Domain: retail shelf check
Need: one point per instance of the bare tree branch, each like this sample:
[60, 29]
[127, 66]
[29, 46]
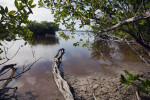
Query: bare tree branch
[11, 57]
[19, 74]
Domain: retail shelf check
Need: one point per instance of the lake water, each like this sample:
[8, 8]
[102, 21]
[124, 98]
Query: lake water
[38, 82]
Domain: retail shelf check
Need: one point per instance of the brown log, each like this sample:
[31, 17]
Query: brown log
[60, 82]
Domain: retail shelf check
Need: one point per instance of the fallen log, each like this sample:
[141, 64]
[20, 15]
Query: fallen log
[60, 82]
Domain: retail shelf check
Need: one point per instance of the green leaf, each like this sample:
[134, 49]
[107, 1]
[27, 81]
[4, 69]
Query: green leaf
[148, 82]
[81, 39]
[2, 11]
[30, 2]
[33, 6]
[16, 4]
[126, 72]
[144, 83]
[136, 77]
[123, 79]
[25, 43]
[135, 85]
[26, 1]
[12, 20]
[6, 9]
[11, 12]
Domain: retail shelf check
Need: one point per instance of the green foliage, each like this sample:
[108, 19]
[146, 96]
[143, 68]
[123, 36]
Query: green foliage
[42, 28]
[130, 79]
[65, 36]
[76, 44]
[12, 22]
[135, 81]
[102, 14]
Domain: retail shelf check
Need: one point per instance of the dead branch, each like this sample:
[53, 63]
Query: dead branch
[11, 57]
[60, 82]
[4, 91]
[10, 77]
[130, 20]
[137, 95]
[134, 49]
[22, 72]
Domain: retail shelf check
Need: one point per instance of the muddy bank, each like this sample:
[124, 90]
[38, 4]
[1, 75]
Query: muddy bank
[105, 85]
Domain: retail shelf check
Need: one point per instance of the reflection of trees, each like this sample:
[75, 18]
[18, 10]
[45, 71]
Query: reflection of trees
[45, 40]
[7, 92]
[100, 49]
[108, 49]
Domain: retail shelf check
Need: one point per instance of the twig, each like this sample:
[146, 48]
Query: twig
[137, 95]
[19, 74]
[11, 57]
[139, 8]
[94, 96]
[4, 72]
[6, 54]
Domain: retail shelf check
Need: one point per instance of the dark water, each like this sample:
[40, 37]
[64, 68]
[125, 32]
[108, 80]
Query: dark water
[38, 82]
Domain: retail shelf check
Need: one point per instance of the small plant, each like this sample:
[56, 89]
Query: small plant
[135, 81]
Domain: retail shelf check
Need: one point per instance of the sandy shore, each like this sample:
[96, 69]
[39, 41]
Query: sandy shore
[106, 85]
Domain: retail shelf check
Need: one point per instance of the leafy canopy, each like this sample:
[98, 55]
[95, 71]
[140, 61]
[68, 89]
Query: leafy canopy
[12, 21]
[103, 14]
[43, 27]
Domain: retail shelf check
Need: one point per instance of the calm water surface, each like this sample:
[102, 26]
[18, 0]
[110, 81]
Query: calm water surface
[38, 82]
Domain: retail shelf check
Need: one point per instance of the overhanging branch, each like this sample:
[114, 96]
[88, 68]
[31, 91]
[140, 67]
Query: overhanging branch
[130, 20]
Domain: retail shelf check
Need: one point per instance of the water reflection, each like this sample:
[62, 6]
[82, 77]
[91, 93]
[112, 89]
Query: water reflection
[77, 61]
[107, 52]
[45, 40]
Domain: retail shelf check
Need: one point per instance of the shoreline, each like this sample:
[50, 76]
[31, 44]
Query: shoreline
[105, 86]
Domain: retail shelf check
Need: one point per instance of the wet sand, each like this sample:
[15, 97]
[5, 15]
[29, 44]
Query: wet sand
[106, 85]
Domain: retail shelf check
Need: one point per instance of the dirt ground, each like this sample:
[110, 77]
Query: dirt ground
[106, 85]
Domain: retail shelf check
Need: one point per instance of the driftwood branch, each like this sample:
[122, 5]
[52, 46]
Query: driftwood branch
[130, 20]
[60, 82]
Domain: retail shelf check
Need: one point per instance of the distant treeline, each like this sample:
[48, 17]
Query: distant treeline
[43, 27]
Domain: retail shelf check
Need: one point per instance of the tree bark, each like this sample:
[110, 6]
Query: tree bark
[60, 82]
